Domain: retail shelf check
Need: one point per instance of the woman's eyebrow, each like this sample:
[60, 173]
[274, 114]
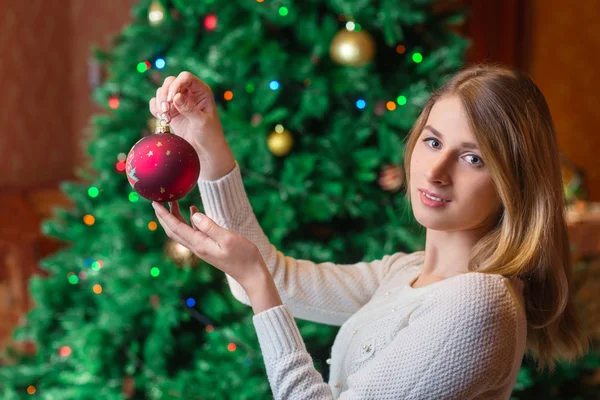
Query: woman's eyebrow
[437, 133]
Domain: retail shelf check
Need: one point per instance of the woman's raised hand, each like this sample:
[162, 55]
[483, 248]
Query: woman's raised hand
[190, 105]
[191, 108]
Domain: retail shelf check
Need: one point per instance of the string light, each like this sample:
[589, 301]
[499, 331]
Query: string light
[400, 49]
[96, 266]
[65, 351]
[228, 95]
[283, 11]
[390, 105]
[31, 389]
[89, 220]
[152, 225]
[417, 57]
[350, 25]
[361, 104]
[72, 278]
[160, 63]
[143, 66]
[93, 192]
[154, 271]
[120, 166]
[133, 197]
[113, 102]
[401, 100]
[279, 128]
[97, 289]
[231, 347]
[88, 261]
[250, 87]
[190, 302]
[274, 85]
[210, 22]
[122, 157]
[82, 275]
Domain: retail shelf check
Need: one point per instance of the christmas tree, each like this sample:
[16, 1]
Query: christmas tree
[315, 98]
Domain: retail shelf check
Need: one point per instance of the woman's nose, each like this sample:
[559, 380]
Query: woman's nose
[438, 170]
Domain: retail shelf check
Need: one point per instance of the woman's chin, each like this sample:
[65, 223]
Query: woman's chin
[434, 222]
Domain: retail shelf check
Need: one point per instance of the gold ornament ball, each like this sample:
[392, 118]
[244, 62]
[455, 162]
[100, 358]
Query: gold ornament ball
[280, 141]
[352, 48]
[156, 13]
[179, 254]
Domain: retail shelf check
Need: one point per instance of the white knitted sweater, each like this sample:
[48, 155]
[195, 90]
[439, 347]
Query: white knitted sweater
[459, 338]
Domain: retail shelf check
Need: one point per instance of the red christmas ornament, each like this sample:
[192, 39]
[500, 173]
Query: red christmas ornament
[163, 166]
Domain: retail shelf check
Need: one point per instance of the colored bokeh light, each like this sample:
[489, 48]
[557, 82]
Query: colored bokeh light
[89, 220]
[210, 22]
[65, 351]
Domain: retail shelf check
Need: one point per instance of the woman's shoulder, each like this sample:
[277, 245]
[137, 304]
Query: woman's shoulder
[478, 294]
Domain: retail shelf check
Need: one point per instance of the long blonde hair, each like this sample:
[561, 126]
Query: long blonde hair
[511, 121]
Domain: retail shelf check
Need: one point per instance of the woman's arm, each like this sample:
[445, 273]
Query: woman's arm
[326, 292]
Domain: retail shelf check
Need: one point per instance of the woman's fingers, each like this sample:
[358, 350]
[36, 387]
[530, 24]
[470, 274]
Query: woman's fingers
[193, 210]
[183, 81]
[176, 211]
[198, 242]
[153, 108]
[161, 94]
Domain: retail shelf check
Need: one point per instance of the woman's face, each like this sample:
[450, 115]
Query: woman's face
[446, 161]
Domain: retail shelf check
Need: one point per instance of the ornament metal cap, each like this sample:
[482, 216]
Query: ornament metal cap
[162, 125]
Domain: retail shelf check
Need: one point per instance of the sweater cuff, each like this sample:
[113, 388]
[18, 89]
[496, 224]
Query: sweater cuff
[277, 332]
[224, 198]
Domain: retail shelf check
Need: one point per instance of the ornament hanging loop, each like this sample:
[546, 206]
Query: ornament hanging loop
[162, 125]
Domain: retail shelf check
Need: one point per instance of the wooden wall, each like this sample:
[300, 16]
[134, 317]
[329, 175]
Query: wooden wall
[564, 59]
[44, 109]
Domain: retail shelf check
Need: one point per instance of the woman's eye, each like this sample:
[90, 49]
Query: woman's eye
[478, 163]
[429, 139]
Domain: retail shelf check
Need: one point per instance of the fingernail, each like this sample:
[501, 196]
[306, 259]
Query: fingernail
[170, 96]
[197, 218]
[179, 100]
[154, 204]
[164, 107]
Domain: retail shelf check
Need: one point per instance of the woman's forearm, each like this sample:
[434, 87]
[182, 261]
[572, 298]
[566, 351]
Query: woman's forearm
[262, 292]
[216, 162]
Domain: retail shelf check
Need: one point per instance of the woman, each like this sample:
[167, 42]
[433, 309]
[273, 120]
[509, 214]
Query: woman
[451, 322]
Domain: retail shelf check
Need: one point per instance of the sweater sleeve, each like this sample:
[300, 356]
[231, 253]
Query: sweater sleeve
[460, 345]
[289, 366]
[327, 293]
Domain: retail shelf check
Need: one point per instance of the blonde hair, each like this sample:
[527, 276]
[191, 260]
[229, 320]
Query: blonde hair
[511, 122]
